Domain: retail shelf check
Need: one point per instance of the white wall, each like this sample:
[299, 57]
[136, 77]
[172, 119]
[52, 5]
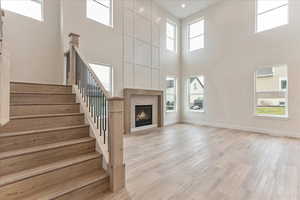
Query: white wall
[37, 48]
[146, 60]
[134, 47]
[34, 46]
[233, 51]
[170, 63]
[142, 45]
[99, 44]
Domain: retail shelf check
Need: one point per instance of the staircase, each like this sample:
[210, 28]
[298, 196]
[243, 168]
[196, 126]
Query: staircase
[45, 149]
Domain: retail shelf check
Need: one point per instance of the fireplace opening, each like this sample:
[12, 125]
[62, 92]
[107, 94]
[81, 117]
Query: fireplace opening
[143, 115]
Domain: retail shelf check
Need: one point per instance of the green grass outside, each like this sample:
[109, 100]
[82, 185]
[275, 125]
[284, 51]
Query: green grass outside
[270, 110]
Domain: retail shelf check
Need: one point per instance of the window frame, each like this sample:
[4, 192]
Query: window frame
[201, 35]
[286, 116]
[111, 75]
[267, 11]
[188, 94]
[170, 22]
[110, 13]
[175, 95]
[42, 2]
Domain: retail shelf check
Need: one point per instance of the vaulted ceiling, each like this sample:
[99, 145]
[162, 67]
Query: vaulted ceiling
[185, 8]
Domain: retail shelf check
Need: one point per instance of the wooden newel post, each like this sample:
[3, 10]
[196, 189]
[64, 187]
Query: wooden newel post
[74, 42]
[116, 149]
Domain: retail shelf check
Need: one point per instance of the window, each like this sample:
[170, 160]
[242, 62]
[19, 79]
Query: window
[28, 8]
[171, 36]
[283, 84]
[171, 94]
[272, 92]
[100, 11]
[196, 93]
[104, 74]
[271, 14]
[196, 35]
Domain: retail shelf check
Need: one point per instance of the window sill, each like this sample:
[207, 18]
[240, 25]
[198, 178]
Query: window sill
[284, 117]
[195, 50]
[109, 26]
[171, 111]
[171, 51]
[270, 29]
[196, 111]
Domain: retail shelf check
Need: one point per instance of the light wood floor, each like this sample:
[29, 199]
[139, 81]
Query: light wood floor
[186, 162]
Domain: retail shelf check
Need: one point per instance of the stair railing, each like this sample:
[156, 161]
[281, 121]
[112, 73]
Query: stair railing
[4, 76]
[105, 111]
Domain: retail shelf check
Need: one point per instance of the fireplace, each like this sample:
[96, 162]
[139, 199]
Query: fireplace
[143, 115]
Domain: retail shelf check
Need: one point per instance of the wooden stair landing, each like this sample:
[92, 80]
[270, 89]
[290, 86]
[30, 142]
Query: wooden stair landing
[45, 150]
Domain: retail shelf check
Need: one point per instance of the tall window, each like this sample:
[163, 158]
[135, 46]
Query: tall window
[104, 73]
[171, 36]
[100, 11]
[272, 91]
[28, 8]
[171, 96]
[196, 93]
[271, 14]
[196, 35]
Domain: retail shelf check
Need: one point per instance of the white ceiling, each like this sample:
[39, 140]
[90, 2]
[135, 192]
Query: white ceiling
[192, 6]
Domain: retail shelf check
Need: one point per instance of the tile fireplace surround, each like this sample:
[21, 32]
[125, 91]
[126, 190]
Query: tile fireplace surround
[129, 92]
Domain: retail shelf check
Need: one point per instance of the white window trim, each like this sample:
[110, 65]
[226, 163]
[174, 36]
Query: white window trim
[42, 12]
[188, 34]
[111, 17]
[175, 35]
[257, 14]
[284, 117]
[176, 95]
[188, 95]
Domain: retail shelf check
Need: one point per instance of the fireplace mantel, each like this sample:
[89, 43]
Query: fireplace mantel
[129, 92]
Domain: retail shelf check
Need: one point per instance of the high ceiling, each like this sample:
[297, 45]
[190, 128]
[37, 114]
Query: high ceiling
[191, 6]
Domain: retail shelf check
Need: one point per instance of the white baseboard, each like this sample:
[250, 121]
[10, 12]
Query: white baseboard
[171, 124]
[276, 133]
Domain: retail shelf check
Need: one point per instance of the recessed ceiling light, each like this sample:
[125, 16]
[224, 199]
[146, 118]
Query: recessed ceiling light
[183, 5]
[141, 9]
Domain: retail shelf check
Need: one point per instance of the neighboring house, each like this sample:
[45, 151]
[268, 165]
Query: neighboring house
[171, 95]
[271, 86]
[196, 85]
[196, 91]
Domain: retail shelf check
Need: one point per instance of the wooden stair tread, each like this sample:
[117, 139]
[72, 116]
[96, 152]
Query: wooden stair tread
[36, 104]
[47, 152]
[43, 93]
[18, 176]
[45, 116]
[13, 134]
[34, 149]
[69, 186]
[27, 83]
